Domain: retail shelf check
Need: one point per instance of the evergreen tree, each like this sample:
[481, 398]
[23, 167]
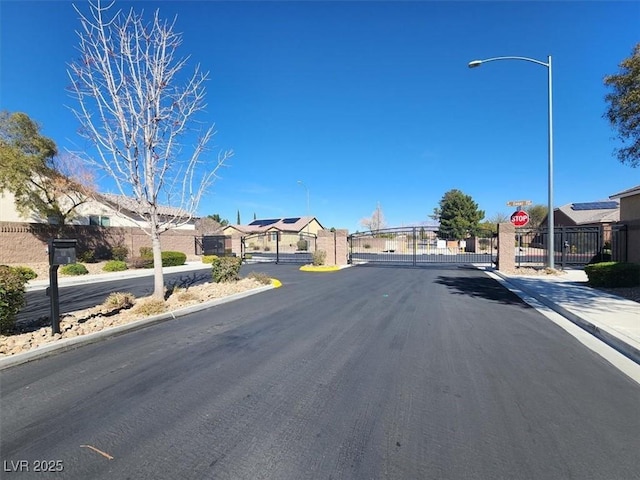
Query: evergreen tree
[238, 218]
[458, 215]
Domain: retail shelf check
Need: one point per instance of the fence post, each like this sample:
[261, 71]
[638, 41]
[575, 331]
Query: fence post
[506, 258]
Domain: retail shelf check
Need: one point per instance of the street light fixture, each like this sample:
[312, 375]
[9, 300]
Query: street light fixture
[550, 222]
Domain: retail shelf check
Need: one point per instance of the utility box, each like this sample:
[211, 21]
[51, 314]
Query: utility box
[62, 251]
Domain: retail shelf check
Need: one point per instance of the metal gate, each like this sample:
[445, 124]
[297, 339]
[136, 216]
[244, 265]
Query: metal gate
[278, 247]
[420, 245]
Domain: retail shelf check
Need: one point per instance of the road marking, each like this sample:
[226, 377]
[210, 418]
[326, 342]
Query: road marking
[104, 454]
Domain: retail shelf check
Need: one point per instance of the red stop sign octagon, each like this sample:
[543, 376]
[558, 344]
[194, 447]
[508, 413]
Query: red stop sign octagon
[520, 218]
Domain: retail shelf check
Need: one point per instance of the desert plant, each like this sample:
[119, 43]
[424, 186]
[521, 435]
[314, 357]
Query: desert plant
[150, 306]
[146, 252]
[226, 269]
[260, 277]
[115, 266]
[86, 256]
[119, 300]
[366, 245]
[613, 274]
[119, 252]
[302, 244]
[11, 297]
[185, 295]
[319, 257]
[74, 269]
[25, 272]
[208, 258]
[267, 248]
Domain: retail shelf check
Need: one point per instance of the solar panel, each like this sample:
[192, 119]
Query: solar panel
[262, 223]
[290, 220]
[595, 206]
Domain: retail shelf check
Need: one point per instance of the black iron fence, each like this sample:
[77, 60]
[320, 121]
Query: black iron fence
[573, 246]
[279, 247]
[419, 245]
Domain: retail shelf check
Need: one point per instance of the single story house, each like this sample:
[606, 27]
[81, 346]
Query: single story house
[630, 216]
[264, 233]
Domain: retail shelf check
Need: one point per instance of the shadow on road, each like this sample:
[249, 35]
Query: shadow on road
[482, 287]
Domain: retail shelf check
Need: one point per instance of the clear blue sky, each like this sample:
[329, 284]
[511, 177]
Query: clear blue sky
[369, 101]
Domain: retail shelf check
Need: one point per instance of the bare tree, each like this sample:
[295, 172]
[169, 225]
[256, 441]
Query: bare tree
[376, 221]
[139, 119]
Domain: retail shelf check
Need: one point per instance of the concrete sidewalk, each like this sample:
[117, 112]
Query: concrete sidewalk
[612, 319]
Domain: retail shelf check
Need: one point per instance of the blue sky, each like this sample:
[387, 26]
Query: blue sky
[369, 101]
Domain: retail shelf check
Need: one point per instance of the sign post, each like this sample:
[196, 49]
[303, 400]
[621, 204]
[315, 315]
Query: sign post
[61, 252]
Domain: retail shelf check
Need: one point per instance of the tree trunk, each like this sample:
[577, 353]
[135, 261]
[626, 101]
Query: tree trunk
[158, 278]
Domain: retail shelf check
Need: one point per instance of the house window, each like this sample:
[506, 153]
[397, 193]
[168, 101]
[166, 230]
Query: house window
[99, 220]
[273, 236]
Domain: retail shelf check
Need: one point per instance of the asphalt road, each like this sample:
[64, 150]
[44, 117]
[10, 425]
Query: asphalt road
[368, 373]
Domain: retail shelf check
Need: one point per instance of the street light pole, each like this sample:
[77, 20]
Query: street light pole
[550, 215]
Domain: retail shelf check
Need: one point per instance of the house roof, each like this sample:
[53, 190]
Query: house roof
[627, 193]
[132, 205]
[290, 224]
[592, 212]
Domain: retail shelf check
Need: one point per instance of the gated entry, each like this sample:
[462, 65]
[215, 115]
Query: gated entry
[278, 247]
[419, 246]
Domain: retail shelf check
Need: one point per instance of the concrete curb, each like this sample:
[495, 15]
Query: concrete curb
[76, 342]
[597, 331]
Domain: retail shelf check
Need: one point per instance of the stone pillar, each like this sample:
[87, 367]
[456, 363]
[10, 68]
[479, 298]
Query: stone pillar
[236, 244]
[335, 245]
[506, 247]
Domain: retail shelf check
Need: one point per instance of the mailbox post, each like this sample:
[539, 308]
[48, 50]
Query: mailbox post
[62, 251]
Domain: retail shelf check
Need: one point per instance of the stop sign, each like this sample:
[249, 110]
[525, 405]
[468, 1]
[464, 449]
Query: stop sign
[520, 218]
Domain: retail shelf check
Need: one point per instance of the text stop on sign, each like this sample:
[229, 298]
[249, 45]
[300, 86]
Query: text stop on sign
[520, 218]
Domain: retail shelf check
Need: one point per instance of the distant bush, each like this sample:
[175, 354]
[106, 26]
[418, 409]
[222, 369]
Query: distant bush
[115, 266]
[140, 262]
[86, 256]
[74, 269]
[208, 258]
[319, 257]
[151, 306]
[260, 277]
[613, 274]
[226, 269]
[600, 257]
[302, 245]
[25, 272]
[119, 300]
[11, 297]
[173, 259]
[267, 248]
[119, 252]
[146, 252]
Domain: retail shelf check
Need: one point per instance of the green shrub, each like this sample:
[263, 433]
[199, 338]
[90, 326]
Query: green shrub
[267, 248]
[226, 269]
[74, 269]
[115, 266]
[119, 300]
[173, 259]
[208, 258]
[613, 274]
[248, 256]
[119, 252]
[146, 252]
[151, 306]
[260, 277]
[11, 297]
[302, 245]
[25, 272]
[319, 257]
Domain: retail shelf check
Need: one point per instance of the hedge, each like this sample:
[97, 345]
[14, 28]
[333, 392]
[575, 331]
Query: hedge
[12, 300]
[613, 274]
[226, 269]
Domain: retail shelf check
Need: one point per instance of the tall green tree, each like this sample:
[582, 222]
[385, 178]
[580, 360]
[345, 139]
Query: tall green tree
[623, 111]
[42, 182]
[537, 214]
[458, 215]
[238, 218]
